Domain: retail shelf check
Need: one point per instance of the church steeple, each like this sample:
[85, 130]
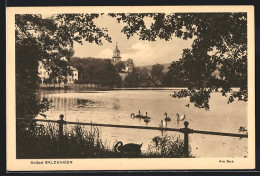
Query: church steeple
[116, 54]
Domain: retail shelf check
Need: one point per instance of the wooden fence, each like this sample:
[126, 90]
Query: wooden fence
[186, 131]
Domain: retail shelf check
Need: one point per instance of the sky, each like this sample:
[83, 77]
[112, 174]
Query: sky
[142, 52]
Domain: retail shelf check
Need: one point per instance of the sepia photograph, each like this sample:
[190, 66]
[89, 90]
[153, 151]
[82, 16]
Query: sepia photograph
[130, 87]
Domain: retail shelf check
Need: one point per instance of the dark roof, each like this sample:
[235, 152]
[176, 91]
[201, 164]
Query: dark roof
[127, 64]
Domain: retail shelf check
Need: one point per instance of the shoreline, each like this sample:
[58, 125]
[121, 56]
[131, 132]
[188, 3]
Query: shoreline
[119, 89]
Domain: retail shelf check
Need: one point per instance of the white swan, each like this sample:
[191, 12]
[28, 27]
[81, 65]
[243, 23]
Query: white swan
[163, 124]
[180, 118]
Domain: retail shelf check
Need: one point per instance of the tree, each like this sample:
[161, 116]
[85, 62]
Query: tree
[120, 66]
[55, 81]
[39, 80]
[50, 41]
[144, 78]
[26, 81]
[47, 81]
[97, 71]
[157, 72]
[220, 43]
[65, 81]
[132, 79]
[130, 61]
[60, 79]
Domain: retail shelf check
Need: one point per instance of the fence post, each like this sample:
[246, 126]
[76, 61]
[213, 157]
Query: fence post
[60, 137]
[186, 139]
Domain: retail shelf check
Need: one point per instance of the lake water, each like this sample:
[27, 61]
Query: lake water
[116, 106]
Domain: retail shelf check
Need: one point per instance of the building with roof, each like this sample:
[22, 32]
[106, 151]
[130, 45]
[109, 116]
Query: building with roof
[129, 63]
[74, 75]
[116, 55]
[44, 73]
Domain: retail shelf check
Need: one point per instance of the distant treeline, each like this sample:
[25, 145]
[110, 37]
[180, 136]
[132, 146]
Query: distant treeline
[102, 71]
[96, 71]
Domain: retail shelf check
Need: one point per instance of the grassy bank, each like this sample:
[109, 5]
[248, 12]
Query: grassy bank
[42, 141]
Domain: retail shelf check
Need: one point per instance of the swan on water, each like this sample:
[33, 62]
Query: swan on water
[147, 120]
[128, 148]
[163, 124]
[167, 118]
[140, 116]
[180, 118]
[146, 117]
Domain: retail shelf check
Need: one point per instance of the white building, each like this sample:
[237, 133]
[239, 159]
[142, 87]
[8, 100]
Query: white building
[42, 72]
[45, 74]
[129, 65]
[74, 76]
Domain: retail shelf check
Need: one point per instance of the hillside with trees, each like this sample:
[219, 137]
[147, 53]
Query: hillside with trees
[149, 67]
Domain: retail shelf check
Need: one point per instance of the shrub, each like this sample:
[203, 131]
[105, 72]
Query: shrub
[42, 141]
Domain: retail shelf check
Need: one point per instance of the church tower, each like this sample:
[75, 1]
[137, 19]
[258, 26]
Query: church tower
[116, 55]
